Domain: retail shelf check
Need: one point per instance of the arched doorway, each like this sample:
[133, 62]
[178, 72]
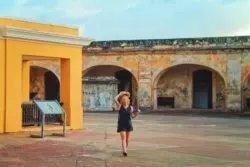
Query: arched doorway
[189, 86]
[202, 89]
[44, 84]
[52, 86]
[102, 83]
[245, 95]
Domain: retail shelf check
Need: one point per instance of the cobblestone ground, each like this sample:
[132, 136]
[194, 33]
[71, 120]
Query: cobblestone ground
[158, 141]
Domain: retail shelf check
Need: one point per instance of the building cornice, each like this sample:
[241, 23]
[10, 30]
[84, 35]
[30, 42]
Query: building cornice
[35, 35]
[181, 44]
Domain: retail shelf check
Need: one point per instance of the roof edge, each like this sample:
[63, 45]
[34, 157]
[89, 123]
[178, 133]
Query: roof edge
[201, 43]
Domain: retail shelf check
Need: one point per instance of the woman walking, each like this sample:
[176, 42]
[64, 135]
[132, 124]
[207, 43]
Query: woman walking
[124, 119]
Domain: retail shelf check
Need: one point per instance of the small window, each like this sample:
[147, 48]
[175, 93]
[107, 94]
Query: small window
[165, 102]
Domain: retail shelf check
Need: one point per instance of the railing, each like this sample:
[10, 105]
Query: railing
[31, 115]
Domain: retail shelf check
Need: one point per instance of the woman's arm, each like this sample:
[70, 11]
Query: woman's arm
[116, 100]
[118, 108]
[117, 104]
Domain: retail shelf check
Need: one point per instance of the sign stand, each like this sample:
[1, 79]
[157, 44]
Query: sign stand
[49, 107]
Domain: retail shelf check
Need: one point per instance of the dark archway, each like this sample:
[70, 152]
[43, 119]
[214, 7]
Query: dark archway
[102, 83]
[202, 89]
[52, 86]
[245, 94]
[44, 84]
[125, 81]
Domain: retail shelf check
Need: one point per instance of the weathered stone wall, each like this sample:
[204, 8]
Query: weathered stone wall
[37, 81]
[51, 65]
[177, 83]
[149, 60]
[99, 93]
[220, 90]
[149, 67]
[101, 71]
[129, 62]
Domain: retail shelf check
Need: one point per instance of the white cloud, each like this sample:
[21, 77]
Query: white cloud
[243, 31]
[75, 9]
[131, 5]
[21, 2]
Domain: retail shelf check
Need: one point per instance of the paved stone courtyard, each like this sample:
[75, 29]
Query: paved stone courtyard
[158, 141]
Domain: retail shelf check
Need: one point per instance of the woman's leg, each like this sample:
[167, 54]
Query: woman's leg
[127, 138]
[123, 140]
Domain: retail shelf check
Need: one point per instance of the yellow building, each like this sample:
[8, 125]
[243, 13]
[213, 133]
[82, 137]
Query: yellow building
[22, 42]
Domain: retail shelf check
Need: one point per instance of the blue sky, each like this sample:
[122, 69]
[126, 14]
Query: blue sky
[138, 19]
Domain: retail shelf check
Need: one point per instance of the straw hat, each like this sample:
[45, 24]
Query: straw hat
[123, 93]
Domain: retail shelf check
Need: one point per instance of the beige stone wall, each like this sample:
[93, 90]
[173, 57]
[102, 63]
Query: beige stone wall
[102, 71]
[128, 62]
[174, 82]
[51, 65]
[37, 82]
[220, 89]
[148, 67]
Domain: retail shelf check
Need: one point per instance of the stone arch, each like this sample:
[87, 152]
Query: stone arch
[90, 67]
[57, 74]
[245, 92]
[96, 72]
[44, 83]
[160, 73]
[245, 80]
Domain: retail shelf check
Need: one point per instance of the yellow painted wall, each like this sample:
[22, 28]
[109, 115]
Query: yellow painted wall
[39, 26]
[26, 80]
[76, 118]
[65, 87]
[2, 84]
[14, 79]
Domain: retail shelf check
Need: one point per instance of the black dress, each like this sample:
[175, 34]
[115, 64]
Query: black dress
[124, 120]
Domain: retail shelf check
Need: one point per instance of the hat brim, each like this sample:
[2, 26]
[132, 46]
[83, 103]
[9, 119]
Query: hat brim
[121, 94]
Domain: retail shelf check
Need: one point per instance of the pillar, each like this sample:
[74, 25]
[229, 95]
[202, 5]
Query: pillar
[25, 80]
[13, 116]
[65, 87]
[145, 88]
[214, 99]
[2, 85]
[71, 90]
[234, 85]
[190, 89]
[154, 96]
